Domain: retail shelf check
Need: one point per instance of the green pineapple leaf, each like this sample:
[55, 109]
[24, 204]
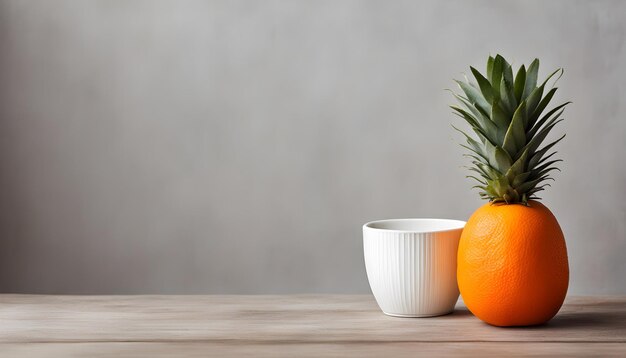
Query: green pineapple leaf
[531, 78]
[505, 114]
[520, 80]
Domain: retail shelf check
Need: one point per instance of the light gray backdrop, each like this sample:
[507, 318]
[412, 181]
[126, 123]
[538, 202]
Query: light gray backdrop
[238, 146]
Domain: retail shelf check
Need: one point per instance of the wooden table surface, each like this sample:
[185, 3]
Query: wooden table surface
[290, 325]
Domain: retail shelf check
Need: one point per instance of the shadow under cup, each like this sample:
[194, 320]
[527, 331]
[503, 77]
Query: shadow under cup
[411, 265]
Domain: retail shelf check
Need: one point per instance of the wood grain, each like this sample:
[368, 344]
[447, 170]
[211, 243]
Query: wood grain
[374, 350]
[313, 325]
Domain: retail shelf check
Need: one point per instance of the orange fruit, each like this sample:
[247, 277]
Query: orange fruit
[512, 264]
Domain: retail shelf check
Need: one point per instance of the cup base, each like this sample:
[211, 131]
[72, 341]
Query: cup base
[418, 315]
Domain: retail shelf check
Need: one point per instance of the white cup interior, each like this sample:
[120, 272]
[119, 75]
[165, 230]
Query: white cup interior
[416, 225]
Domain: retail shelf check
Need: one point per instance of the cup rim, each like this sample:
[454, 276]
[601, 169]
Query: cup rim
[455, 225]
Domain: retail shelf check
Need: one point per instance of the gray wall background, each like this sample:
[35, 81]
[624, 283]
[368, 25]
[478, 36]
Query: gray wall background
[238, 146]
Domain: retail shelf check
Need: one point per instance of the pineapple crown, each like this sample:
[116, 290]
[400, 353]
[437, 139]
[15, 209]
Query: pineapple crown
[505, 115]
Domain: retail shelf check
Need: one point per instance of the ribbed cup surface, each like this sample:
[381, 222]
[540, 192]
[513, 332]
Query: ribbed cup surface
[412, 274]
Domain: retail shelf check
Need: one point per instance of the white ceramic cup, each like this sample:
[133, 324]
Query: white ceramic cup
[411, 265]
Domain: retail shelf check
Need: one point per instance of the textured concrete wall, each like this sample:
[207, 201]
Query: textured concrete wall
[238, 146]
